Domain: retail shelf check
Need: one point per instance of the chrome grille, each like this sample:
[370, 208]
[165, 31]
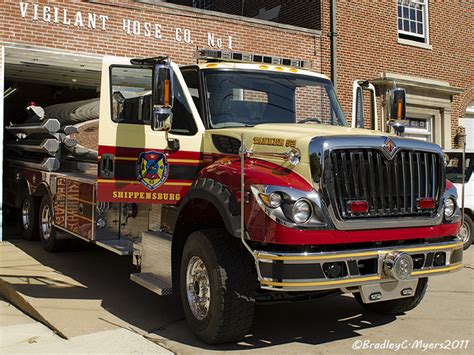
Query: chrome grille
[391, 187]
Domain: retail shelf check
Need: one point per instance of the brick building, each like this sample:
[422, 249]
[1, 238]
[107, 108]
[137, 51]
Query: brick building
[51, 52]
[421, 45]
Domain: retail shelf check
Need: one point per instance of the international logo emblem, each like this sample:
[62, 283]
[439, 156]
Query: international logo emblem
[152, 169]
[389, 147]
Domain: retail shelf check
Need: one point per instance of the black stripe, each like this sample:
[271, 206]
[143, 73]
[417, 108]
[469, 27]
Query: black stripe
[280, 271]
[127, 171]
[456, 256]
[429, 260]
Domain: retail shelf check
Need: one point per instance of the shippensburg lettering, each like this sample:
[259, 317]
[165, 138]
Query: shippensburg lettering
[146, 196]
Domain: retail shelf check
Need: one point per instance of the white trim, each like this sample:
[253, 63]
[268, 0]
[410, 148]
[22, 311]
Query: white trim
[2, 89]
[414, 43]
[50, 50]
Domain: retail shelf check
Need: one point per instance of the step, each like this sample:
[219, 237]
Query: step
[118, 246]
[153, 283]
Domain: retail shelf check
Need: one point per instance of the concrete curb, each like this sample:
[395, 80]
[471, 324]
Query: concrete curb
[15, 298]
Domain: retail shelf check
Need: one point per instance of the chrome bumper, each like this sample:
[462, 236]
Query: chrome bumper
[318, 271]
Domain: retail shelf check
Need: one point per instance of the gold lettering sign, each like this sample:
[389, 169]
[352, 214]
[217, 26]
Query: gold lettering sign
[275, 142]
[159, 196]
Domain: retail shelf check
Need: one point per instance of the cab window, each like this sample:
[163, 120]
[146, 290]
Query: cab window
[131, 99]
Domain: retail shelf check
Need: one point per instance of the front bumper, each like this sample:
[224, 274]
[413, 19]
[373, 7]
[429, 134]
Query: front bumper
[351, 268]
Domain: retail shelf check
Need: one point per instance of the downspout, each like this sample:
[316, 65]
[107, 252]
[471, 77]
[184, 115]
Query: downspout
[332, 33]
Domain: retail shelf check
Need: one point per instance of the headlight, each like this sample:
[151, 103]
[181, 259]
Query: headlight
[449, 207]
[301, 211]
[272, 200]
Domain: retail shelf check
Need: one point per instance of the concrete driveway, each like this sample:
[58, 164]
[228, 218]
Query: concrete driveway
[88, 291]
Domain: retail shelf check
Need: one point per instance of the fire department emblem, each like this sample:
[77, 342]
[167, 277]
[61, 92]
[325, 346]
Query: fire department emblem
[389, 147]
[152, 169]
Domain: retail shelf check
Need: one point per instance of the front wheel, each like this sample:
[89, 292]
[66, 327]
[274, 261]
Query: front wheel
[397, 306]
[466, 233]
[217, 281]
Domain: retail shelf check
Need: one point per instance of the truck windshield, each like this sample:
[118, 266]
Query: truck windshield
[248, 98]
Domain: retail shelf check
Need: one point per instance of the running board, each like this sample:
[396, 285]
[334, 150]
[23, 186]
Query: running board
[153, 283]
[118, 246]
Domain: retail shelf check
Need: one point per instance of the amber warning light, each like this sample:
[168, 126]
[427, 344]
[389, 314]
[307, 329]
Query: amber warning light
[167, 93]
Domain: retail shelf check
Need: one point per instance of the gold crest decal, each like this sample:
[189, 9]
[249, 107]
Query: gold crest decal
[152, 169]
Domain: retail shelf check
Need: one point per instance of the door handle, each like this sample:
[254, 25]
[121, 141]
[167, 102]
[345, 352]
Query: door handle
[107, 166]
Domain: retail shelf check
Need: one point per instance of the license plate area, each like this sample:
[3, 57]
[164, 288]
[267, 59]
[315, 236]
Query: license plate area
[388, 290]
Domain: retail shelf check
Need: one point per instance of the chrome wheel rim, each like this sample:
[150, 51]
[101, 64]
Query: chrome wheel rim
[198, 288]
[465, 232]
[25, 214]
[46, 222]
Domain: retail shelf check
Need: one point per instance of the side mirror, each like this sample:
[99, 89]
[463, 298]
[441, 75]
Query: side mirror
[398, 104]
[397, 110]
[162, 97]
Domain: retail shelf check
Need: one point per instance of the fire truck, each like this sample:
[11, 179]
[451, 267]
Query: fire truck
[237, 181]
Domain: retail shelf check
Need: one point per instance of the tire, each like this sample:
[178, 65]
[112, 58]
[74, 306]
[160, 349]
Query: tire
[232, 282]
[47, 231]
[466, 233]
[28, 222]
[397, 306]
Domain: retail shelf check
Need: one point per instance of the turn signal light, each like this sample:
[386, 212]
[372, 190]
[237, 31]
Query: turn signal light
[358, 206]
[426, 203]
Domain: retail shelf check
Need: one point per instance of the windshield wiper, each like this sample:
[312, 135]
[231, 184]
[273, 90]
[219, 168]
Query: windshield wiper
[310, 119]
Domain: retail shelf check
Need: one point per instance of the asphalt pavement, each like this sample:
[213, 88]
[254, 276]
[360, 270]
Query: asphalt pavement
[86, 294]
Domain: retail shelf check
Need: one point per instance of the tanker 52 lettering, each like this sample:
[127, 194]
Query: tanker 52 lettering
[159, 196]
[276, 142]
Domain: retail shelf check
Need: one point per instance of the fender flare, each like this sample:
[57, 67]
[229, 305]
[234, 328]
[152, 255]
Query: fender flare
[23, 185]
[220, 197]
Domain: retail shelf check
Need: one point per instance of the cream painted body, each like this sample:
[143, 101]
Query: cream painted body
[142, 136]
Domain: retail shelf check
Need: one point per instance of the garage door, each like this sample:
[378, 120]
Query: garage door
[44, 77]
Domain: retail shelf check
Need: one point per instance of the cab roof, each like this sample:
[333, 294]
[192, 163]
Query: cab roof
[259, 67]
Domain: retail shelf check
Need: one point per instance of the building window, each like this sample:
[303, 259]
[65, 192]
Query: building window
[413, 20]
[203, 4]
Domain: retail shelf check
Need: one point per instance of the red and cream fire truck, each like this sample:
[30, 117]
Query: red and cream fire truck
[235, 183]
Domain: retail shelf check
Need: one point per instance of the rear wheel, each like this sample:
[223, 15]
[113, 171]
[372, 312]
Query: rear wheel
[397, 306]
[29, 216]
[466, 233]
[218, 281]
[47, 231]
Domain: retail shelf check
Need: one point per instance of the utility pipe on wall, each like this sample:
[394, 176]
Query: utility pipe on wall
[333, 34]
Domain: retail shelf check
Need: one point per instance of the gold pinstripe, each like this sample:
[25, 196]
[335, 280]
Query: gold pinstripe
[319, 283]
[339, 282]
[171, 160]
[138, 182]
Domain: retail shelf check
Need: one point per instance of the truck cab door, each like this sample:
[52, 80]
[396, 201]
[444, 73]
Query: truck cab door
[137, 164]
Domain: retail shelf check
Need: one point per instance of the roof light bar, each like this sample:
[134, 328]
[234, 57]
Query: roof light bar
[218, 55]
